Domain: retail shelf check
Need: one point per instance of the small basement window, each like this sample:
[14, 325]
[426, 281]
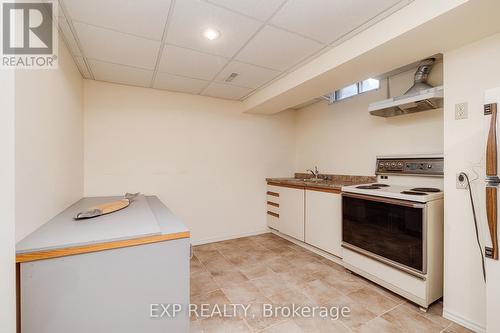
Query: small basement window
[369, 84]
[353, 90]
[346, 92]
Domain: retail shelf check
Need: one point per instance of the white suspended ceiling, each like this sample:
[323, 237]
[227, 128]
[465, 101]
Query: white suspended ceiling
[159, 43]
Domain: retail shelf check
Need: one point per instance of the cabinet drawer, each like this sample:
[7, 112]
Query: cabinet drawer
[272, 194]
[271, 207]
[273, 199]
[273, 220]
[273, 191]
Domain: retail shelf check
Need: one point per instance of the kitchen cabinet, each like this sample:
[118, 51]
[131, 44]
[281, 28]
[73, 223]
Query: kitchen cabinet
[323, 220]
[285, 210]
[291, 212]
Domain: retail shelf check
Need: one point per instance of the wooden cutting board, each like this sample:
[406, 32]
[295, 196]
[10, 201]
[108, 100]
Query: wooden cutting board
[107, 208]
[111, 207]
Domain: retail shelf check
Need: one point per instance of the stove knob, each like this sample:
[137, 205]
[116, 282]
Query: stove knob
[400, 164]
[429, 166]
[393, 164]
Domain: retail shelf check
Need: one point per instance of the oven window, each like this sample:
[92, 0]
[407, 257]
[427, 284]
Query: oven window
[388, 230]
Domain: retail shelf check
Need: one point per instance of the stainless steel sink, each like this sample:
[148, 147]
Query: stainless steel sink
[313, 180]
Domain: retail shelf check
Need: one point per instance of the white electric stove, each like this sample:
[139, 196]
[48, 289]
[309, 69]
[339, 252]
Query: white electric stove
[416, 178]
[392, 230]
[402, 192]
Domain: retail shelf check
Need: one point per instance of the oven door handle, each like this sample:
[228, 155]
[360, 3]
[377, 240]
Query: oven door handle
[398, 202]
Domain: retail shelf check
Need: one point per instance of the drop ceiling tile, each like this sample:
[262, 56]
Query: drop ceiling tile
[180, 61]
[144, 18]
[249, 76]
[191, 17]
[277, 49]
[226, 91]
[331, 18]
[111, 46]
[68, 36]
[104, 71]
[258, 9]
[179, 83]
[82, 67]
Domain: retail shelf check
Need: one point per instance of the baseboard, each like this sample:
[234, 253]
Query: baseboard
[311, 248]
[463, 321]
[223, 238]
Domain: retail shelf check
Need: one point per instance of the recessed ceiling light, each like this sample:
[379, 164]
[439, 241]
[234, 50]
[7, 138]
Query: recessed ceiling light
[211, 33]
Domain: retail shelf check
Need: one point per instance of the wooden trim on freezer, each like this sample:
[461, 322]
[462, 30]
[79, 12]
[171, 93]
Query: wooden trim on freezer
[69, 251]
[18, 298]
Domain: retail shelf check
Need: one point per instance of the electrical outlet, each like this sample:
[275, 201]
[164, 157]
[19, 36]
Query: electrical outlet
[461, 182]
[461, 111]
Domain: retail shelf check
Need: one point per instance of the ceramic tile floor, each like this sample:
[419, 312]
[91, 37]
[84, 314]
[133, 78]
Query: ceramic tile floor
[267, 269]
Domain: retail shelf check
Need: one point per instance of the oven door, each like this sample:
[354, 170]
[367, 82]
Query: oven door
[388, 230]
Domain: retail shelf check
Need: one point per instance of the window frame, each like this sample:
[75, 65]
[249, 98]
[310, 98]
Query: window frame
[334, 96]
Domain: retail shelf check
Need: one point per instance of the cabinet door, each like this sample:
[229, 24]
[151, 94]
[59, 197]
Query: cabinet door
[291, 221]
[323, 221]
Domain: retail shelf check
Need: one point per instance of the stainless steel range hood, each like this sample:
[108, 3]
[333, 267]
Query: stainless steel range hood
[420, 97]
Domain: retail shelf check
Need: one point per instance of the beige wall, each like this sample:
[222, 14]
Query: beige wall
[205, 159]
[7, 222]
[343, 138]
[49, 142]
[468, 72]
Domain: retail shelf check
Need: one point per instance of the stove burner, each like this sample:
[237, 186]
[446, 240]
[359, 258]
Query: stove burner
[369, 187]
[426, 189]
[381, 185]
[414, 193]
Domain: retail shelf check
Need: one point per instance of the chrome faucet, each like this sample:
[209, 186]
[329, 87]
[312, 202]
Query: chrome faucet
[315, 173]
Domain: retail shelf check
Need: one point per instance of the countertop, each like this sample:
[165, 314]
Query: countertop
[146, 220]
[333, 183]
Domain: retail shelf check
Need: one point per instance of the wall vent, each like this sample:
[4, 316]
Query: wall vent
[231, 77]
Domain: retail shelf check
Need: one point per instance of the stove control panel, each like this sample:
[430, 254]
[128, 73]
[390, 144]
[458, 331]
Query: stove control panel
[410, 166]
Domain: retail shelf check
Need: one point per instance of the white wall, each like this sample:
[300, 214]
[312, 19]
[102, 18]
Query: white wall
[343, 138]
[49, 142]
[468, 72]
[205, 159]
[7, 230]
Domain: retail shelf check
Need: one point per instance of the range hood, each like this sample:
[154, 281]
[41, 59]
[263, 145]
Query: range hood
[420, 97]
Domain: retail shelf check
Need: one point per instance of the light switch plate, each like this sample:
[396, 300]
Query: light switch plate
[461, 111]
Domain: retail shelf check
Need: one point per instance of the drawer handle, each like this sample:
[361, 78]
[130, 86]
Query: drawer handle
[273, 214]
[274, 194]
[270, 203]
